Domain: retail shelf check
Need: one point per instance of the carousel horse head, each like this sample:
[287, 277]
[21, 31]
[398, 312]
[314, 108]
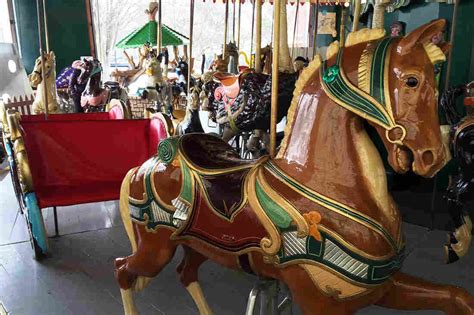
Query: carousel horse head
[152, 66]
[90, 68]
[408, 88]
[49, 60]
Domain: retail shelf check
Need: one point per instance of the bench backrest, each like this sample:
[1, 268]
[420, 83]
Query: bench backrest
[72, 116]
[77, 153]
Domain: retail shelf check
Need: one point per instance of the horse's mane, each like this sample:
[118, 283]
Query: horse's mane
[362, 36]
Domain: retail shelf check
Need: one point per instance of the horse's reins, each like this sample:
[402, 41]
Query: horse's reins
[371, 99]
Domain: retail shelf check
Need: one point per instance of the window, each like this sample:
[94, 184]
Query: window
[6, 35]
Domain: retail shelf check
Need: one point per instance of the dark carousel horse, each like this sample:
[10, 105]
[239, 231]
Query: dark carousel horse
[241, 103]
[461, 187]
[69, 86]
[95, 98]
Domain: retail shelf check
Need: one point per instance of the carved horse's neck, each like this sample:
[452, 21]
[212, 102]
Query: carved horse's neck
[329, 151]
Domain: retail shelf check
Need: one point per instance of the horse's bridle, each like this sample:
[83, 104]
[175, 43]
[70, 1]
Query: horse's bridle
[371, 99]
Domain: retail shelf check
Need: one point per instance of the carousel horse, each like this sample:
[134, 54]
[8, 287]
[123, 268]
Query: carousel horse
[152, 85]
[461, 187]
[319, 216]
[95, 98]
[36, 81]
[68, 79]
[242, 102]
[191, 122]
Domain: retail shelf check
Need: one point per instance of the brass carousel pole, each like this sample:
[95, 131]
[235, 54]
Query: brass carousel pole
[158, 34]
[342, 38]
[238, 24]
[191, 25]
[315, 38]
[226, 21]
[45, 19]
[258, 37]
[355, 24]
[294, 31]
[275, 64]
[43, 58]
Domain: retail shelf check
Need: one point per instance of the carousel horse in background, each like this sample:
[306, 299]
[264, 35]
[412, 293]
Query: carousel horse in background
[319, 216]
[191, 122]
[461, 187]
[95, 98]
[241, 103]
[36, 81]
[153, 87]
[68, 79]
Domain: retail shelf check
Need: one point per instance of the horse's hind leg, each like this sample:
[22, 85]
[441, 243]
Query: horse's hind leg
[188, 275]
[412, 293]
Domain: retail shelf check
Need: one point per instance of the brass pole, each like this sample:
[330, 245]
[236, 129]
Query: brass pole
[355, 24]
[342, 28]
[275, 62]
[45, 19]
[43, 58]
[294, 31]
[315, 38]
[238, 25]
[258, 37]
[451, 38]
[226, 21]
[191, 25]
[158, 33]
[233, 21]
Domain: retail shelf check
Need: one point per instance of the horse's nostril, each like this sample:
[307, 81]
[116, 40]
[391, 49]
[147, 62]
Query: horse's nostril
[427, 157]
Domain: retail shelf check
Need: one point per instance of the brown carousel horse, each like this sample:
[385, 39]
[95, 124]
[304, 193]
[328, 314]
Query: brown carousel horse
[319, 216]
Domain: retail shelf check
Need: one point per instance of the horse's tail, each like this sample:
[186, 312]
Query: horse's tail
[125, 210]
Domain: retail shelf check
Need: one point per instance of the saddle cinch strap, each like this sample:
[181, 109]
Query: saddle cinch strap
[372, 100]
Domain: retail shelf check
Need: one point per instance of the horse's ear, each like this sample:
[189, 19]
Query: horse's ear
[52, 55]
[422, 34]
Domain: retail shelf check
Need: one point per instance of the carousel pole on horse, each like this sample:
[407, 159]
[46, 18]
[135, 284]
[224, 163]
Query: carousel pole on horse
[275, 65]
[226, 26]
[191, 27]
[258, 37]
[315, 31]
[355, 23]
[238, 25]
[294, 32]
[43, 59]
[159, 33]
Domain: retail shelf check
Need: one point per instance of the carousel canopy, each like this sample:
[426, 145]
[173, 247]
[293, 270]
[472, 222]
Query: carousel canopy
[148, 32]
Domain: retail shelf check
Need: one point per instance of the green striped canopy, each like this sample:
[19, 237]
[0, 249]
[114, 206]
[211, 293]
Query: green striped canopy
[148, 32]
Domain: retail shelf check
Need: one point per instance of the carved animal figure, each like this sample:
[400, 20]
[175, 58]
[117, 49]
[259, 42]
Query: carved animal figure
[154, 87]
[319, 216]
[36, 81]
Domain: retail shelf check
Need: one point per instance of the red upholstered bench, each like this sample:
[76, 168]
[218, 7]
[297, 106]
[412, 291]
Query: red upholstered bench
[74, 158]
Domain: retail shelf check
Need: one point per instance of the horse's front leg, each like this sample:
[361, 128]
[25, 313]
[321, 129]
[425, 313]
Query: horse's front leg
[412, 293]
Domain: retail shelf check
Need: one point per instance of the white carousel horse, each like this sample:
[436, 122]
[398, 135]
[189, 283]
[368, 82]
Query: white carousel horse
[36, 81]
[152, 86]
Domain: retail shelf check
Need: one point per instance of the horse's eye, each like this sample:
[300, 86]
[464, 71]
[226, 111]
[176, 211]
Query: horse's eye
[412, 82]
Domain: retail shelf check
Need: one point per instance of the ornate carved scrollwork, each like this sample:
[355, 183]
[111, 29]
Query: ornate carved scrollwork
[12, 122]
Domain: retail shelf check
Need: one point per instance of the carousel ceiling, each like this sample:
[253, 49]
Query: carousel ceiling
[148, 32]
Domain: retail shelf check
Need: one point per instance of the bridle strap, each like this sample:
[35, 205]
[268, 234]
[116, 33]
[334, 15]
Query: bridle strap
[372, 103]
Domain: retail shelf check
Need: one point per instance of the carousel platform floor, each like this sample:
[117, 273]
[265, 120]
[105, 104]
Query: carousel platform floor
[78, 277]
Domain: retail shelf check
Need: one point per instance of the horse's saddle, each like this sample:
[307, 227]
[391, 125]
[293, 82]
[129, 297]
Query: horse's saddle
[212, 204]
[218, 169]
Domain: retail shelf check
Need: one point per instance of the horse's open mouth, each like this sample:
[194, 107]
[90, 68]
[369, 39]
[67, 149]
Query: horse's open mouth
[403, 158]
